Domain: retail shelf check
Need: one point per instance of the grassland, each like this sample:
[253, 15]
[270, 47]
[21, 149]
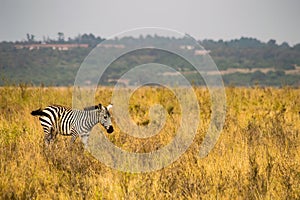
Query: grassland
[256, 157]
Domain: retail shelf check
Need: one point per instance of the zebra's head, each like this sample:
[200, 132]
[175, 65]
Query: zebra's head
[103, 116]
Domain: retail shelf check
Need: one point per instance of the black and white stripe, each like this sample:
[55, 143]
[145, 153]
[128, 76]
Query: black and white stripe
[57, 119]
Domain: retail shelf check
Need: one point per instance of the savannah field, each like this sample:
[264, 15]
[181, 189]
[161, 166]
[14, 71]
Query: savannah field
[257, 155]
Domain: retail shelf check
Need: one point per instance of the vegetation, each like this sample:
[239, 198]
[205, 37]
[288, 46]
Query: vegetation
[58, 68]
[251, 53]
[256, 157]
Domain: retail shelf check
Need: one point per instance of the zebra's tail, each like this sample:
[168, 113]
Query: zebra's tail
[38, 112]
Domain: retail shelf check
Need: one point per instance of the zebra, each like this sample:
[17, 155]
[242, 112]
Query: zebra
[56, 119]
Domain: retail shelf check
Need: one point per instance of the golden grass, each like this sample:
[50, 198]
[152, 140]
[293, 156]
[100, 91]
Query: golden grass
[256, 157]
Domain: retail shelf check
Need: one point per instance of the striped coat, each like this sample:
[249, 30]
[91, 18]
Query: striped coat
[62, 120]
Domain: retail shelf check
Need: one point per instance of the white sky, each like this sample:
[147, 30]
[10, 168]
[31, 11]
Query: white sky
[202, 19]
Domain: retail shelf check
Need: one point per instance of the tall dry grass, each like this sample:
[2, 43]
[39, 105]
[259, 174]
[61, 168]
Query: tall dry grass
[256, 157]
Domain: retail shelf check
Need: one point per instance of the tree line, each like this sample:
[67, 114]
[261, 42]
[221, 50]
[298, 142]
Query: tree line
[54, 67]
[85, 38]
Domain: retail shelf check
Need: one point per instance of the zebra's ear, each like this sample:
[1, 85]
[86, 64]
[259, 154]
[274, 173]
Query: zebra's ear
[99, 106]
[109, 106]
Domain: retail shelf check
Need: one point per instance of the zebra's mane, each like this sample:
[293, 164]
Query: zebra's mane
[92, 107]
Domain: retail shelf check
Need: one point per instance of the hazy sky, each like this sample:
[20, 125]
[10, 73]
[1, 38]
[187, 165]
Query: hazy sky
[202, 19]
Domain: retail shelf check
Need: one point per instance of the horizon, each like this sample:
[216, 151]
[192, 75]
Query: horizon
[67, 38]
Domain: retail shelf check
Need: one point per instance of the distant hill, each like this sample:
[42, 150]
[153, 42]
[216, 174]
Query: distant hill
[242, 62]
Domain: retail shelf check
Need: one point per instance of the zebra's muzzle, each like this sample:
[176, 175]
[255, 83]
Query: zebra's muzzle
[110, 129]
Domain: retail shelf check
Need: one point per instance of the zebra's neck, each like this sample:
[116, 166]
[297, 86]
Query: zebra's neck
[90, 118]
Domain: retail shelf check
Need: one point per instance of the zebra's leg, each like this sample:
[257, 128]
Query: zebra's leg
[48, 134]
[74, 136]
[54, 134]
[85, 138]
